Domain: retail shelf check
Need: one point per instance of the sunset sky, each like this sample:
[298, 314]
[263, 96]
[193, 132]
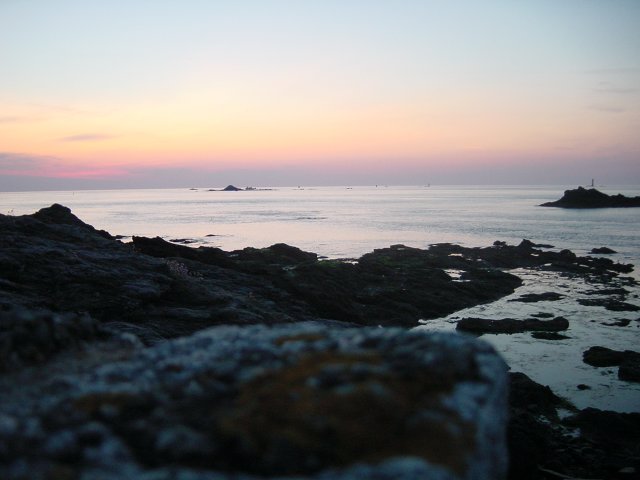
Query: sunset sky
[159, 93]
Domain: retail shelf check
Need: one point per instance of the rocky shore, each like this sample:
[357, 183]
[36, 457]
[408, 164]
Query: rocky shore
[155, 360]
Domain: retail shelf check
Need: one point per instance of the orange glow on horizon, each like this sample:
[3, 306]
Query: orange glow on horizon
[199, 130]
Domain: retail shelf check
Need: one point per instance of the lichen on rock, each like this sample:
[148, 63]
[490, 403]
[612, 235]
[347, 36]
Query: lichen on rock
[298, 399]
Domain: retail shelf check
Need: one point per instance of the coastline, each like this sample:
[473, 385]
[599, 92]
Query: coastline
[169, 291]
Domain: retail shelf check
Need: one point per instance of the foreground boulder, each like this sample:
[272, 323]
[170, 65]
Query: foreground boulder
[591, 198]
[266, 401]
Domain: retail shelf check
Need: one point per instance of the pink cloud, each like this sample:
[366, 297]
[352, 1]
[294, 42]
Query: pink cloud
[25, 165]
[88, 173]
[87, 137]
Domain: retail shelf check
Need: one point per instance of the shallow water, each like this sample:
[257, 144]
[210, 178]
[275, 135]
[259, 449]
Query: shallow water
[344, 222]
[558, 363]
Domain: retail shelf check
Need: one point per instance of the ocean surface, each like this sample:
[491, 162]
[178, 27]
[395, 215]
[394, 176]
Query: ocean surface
[346, 222]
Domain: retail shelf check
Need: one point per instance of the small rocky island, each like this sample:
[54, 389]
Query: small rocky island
[233, 188]
[153, 360]
[228, 188]
[591, 198]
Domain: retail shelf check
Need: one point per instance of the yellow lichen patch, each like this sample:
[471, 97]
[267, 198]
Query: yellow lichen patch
[173, 367]
[301, 337]
[59, 471]
[350, 416]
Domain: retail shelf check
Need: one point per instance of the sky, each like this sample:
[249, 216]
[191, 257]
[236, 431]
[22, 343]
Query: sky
[198, 93]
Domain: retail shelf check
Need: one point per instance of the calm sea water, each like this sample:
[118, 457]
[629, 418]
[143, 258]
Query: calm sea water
[340, 222]
[348, 222]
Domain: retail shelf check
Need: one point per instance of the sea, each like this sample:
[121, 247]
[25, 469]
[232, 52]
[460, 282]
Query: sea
[349, 221]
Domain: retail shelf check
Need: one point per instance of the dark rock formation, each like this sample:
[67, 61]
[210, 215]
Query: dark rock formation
[629, 369]
[525, 393]
[67, 266]
[58, 214]
[549, 336]
[623, 322]
[603, 357]
[393, 286]
[289, 400]
[52, 260]
[542, 315]
[627, 360]
[603, 250]
[591, 198]
[526, 255]
[533, 408]
[590, 443]
[608, 426]
[183, 241]
[228, 188]
[510, 325]
[538, 297]
[525, 244]
[617, 292]
[609, 303]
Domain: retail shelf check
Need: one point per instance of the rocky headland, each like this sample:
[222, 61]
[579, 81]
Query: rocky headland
[155, 360]
[591, 198]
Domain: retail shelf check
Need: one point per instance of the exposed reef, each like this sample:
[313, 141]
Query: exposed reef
[591, 198]
[52, 260]
[509, 325]
[628, 361]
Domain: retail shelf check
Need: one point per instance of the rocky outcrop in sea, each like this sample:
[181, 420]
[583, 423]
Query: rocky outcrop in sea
[591, 198]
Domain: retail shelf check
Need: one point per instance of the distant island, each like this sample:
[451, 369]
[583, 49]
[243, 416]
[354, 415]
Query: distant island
[591, 198]
[233, 188]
